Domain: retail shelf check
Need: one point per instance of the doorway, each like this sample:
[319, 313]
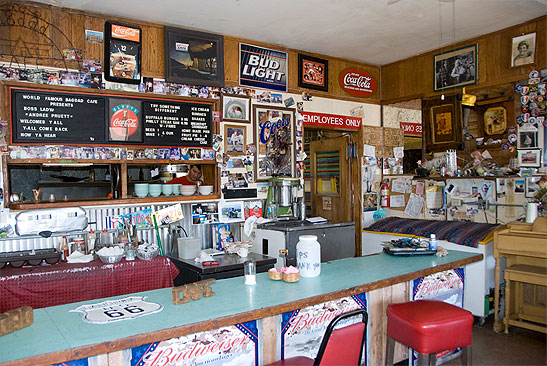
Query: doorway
[328, 175]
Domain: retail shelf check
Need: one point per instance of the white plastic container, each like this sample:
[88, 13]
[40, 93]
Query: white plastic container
[189, 248]
[432, 242]
[308, 256]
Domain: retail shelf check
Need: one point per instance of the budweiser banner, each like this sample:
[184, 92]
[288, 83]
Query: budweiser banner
[411, 129]
[232, 345]
[125, 120]
[447, 286]
[331, 120]
[358, 83]
[262, 67]
[302, 330]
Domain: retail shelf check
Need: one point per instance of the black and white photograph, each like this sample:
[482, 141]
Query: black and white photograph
[456, 68]
[523, 50]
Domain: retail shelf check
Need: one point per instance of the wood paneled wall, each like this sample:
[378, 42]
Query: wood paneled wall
[413, 78]
[73, 24]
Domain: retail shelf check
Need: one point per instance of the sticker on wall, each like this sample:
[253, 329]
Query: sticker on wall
[327, 203]
[117, 310]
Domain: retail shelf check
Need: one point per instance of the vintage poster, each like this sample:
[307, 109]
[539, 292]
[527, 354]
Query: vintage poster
[302, 330]
[447, 286]
[231, 345]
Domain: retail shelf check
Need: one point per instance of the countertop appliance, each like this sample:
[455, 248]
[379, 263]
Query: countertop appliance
[337, 239]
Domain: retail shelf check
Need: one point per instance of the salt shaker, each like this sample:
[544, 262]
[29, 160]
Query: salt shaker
[249, 270]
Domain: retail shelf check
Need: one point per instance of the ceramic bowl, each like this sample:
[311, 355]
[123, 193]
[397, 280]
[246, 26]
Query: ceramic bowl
[141, 189]
[155, 190]
[111, 258]
[187, 190]
[176, 189]
[167, 189]
[205, 190]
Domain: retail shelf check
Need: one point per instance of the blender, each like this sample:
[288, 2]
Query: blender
[281, 202]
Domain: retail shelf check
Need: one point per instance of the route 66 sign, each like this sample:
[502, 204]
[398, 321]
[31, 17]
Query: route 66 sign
[117, 310]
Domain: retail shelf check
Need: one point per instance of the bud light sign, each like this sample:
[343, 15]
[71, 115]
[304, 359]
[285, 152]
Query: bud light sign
[358, 82]
[262, 67]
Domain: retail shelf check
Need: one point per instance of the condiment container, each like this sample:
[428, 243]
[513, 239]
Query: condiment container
[308, 256]
[249, 270]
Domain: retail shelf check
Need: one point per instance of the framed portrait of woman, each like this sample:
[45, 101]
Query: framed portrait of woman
[523, 50]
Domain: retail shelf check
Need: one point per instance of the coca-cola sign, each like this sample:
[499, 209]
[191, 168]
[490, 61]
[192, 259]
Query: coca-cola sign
[358, 83]
[127, 33]
[124, 121]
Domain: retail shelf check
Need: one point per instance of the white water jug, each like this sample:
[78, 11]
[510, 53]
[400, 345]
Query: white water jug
[308, 256]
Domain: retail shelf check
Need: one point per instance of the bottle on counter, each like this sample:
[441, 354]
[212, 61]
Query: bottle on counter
[64, 248]
[91, 239]
[308, 256]
[105, 239]
[432, 242]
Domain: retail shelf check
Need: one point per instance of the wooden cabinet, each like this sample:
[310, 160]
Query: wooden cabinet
[23, 175]
[525, 248]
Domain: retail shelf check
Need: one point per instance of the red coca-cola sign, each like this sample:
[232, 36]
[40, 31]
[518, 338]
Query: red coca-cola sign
[127, 33]
[358, 83]
[124, 123]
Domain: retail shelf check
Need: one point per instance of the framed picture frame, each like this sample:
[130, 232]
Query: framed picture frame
[122, 53]
[275, 138]
[236, 108]
[232, 211]
[527, 137]
[455, 68]
[523, 50]
[531, 187]
[495, 120]
[235, 139]
[193, 57]
[443, 124]
[529, 158]
[313, 73]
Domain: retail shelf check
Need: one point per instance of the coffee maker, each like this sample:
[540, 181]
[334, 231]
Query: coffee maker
[281, 202]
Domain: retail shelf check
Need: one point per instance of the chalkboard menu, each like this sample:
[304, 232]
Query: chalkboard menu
[52, 117]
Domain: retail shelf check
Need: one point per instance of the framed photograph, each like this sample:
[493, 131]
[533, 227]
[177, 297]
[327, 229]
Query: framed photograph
[529, 158]
[523, 50]
[231, 211]
[313, 73]
[122, 53]
[236, 108]
[495, 120]
[274, 134]
[456, 68]
[531, 186]
[443, 124]
[234, 139]
[193, 57]
[527, 137]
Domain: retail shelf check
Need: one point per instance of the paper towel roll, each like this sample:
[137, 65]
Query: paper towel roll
[531, 212]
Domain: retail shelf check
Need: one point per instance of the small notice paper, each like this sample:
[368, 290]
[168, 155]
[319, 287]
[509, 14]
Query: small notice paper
[369, 150]
[414, 206]
[399, 152]
[397, 200]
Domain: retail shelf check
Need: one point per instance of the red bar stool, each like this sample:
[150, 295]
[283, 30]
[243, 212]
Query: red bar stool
[341, 346]
[428, 327]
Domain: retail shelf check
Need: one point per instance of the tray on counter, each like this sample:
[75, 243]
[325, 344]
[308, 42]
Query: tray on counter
[30, 257]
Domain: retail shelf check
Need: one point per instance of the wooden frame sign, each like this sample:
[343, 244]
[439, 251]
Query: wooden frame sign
[455, 68]
[313, 73]
[274, 131]
[122, 53]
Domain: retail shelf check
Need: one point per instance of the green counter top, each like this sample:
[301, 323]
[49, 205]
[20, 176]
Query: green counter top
[65, 336]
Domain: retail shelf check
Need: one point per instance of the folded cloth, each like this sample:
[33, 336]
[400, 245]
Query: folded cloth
[250, 223]
[77, 257]
[204, 257]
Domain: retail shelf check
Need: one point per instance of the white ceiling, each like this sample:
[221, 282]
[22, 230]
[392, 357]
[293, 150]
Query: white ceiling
[371, 31]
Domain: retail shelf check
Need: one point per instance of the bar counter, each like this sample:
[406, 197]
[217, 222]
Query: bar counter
[58, 335]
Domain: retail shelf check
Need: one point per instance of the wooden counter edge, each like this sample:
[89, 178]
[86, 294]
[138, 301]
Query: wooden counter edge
[159, 335]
